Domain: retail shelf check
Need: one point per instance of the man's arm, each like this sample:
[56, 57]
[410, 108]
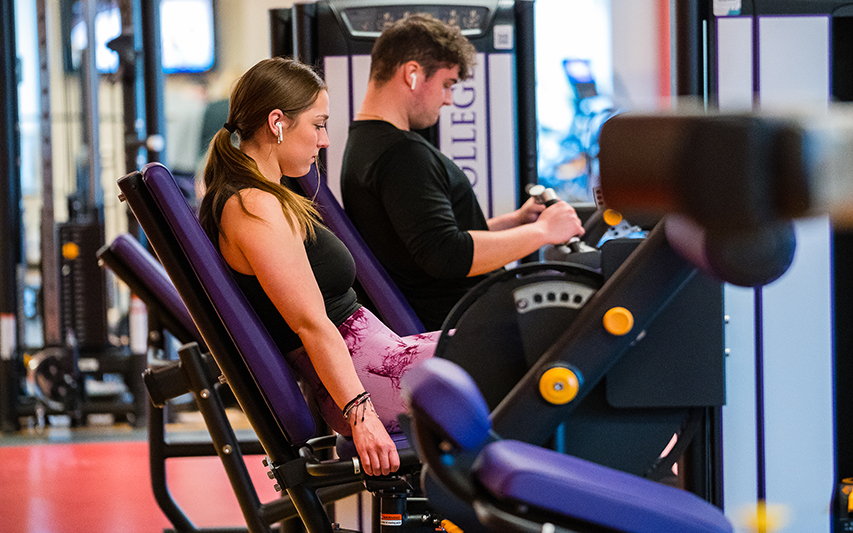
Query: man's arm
[495, 249]
[417, 204]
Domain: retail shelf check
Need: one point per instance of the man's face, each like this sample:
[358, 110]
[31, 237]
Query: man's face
[430, 96]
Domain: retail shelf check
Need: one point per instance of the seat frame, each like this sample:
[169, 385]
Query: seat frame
[250, 362]
[194, 372]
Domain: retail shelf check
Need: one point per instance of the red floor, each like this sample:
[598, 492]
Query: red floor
[106, 488]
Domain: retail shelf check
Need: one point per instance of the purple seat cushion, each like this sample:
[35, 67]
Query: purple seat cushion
[514, 471]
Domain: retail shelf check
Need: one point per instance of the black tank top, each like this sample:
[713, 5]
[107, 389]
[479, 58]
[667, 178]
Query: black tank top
[334, 270]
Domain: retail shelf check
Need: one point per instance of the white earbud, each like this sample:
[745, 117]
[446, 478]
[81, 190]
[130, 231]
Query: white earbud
[280, 135]
[414, 80]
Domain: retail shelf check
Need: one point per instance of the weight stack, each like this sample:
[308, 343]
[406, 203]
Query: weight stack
[82, 285]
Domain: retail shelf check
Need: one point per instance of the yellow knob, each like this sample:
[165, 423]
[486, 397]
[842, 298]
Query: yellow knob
[618, 321]
[559, 385]
[611, 217]
[70, 251]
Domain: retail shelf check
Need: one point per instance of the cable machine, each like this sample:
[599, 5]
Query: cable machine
[76, 347]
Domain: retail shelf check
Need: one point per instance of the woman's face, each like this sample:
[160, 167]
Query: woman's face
[303, 138]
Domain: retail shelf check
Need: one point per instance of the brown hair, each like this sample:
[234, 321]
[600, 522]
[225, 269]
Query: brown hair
[425, 39]
[271, 84]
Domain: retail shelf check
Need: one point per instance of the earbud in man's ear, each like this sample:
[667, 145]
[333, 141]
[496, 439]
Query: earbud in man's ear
[414, 80]
[280, 135]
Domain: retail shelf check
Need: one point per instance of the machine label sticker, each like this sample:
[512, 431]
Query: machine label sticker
[503, 37]
[727, 8]
[391, 519]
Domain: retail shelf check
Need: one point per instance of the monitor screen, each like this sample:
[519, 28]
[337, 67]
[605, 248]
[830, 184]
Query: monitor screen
[107, 28]
[186, 31]
[186, 35]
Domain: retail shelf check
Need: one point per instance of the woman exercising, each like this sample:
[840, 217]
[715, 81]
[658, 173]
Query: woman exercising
[297, 275]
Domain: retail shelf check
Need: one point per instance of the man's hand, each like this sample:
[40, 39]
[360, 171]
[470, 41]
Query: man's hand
[561, 223]
[529, 212]
[526, 214]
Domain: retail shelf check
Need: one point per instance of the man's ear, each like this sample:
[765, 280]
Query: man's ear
[412, 74]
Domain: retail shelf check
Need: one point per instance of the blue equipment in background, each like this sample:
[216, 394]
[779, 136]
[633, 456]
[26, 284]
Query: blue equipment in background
[568, 160]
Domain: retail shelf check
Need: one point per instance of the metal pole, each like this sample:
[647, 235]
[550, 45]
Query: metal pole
[304, 36]
[11, 230]
[525, 64]
[129, 48]
[91, 118]
[155, 118]
[688, 54]
[51, 322]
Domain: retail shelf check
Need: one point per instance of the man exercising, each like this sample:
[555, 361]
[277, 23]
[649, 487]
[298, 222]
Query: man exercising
[414, 207]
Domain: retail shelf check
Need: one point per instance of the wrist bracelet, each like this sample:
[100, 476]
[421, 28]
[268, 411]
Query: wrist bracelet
[363, 405]
[355, 402]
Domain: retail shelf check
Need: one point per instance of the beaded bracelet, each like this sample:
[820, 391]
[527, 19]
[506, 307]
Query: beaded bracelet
[363, 404]
[355, 402]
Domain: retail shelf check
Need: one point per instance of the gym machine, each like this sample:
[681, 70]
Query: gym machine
[670, 405]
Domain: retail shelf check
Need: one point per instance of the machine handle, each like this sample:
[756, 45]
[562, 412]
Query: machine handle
[547, 197]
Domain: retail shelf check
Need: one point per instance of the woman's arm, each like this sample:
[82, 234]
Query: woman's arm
[268, 248]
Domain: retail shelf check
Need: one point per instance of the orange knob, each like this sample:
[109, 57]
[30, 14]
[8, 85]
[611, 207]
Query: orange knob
[618, 321]
[559, 385]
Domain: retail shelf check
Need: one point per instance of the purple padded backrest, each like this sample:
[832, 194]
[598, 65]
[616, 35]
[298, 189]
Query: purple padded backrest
[266, 363]
[390, 303]
[152, 274]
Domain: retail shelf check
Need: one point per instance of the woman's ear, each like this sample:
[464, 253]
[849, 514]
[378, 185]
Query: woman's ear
[277, 123]
[276, 117]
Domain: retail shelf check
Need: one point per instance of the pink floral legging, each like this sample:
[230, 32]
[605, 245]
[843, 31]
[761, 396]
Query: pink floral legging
[380, 356]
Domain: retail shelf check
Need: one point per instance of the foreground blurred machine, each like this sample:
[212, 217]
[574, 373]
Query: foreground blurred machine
[729, 187]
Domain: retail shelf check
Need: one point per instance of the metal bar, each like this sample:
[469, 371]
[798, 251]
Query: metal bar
[226, 443]
[304, 34]
[91, 117]
[51, 323]
[157, 465]
[155, 118]
[688, 55]
[525, 67]
[11, 231]
[130, 69]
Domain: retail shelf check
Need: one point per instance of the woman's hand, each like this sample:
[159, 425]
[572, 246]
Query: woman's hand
[376, 450]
